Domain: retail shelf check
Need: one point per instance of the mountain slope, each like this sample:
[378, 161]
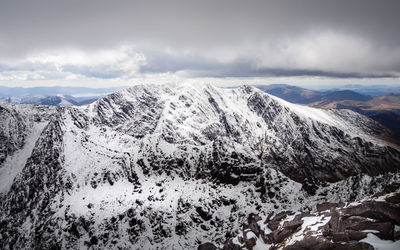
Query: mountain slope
[161, 165]
[384, 109]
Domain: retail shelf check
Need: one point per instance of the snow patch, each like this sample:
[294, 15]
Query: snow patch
[16, 162]
[379, 244]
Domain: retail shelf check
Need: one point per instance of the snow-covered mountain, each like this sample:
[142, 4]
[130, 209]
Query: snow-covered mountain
[172, 166]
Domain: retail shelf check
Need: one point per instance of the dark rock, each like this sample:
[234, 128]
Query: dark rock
[385, 229]
[397, 236]
[252, 224]
[292, 225]
[273, 224]
[269, 217]
[356, 235]
[204, 227]
[231, 246]
[280, 235]
[180, 228]
[250, 243]
[376, 210]
[74, 230]
[207, 246]
[392, 187]
[282, 215]
[94, 240]
[267, 238]
[203, 214]
[340, 237]
[394, 199]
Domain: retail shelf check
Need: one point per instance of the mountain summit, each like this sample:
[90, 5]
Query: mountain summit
[162, 166]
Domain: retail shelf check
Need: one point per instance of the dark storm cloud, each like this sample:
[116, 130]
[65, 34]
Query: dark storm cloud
[209, 38]
[200, 67]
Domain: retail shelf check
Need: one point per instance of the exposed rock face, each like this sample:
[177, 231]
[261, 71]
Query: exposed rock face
[232, 132]
[155, 166]
[16, 121]
[332, 226]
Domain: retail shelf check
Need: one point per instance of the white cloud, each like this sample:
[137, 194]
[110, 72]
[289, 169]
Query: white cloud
[122, 62]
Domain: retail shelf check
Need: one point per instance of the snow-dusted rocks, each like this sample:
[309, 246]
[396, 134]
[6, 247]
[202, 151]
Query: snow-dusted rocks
[174, 166]
[366, 224]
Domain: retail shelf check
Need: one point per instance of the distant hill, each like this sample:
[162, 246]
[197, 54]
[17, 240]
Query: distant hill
[292, 93]
[346, 95]
[306, 96]
[374, 105]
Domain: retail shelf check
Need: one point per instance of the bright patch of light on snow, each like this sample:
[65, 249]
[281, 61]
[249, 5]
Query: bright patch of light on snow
[16, 162]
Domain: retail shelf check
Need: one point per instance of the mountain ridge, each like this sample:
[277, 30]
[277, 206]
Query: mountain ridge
[116, 173]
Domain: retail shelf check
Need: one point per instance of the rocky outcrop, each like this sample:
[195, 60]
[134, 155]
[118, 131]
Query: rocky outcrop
[331, 226]
[16, 122]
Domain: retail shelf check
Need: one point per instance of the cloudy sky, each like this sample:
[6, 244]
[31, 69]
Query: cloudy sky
[118, 43]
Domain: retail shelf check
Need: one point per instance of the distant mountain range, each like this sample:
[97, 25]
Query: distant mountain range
[373, 90]
[50, 100]
[383, 108]
[292, 93]
[306, 96]
[53, 96]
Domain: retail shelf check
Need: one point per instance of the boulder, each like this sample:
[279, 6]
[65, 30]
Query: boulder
[203, 214]
[340, 237]
[250, 243]
[382, 211]
[385, 229]
[207, 246]
[273, 224]
[356, 235]
[252, 224]
[293, 225]
[280, 235]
